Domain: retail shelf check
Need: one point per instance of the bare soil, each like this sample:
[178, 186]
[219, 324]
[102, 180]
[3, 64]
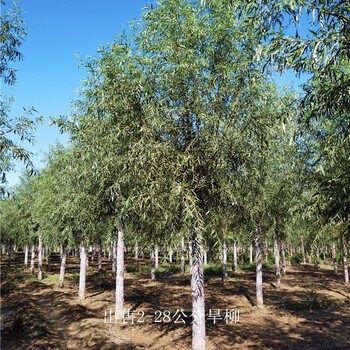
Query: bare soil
[311, 310]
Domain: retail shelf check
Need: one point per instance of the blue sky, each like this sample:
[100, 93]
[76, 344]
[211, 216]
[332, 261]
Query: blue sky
[49, 77]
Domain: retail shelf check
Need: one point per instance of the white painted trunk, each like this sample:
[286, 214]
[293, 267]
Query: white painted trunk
[171, 256]
[32, 260]
[259, 273]
[40, 259]
[283, 256]
[205, 256]
[63, 266]
[47, 255]
[26, 253]
[250, 253]
[99, 257]
[156, 256]
[224, 259]
[119, 289]
[82, 274]
[302, 249]
[136, 257]
[197, 286]
[345, 256]
[334, 257]
[277, 264]
[235, 264]
[9, 253]
[114, 257]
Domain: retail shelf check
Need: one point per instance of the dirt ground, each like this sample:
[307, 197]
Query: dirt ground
[311, 310]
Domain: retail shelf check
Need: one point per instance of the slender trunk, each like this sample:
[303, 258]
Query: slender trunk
[47, 255]
[317, 263]
[156, 256]
[250, 253]
[283, 256]
[114, 257]
[182, 255]
[26, 253]
[345, 255]
[205, 256]
[259, 273]
[153, 265]
[197, 286]
[224, 260]
[82, 275]
[61, 251]
[9, 253]
[171, 256]
[302, 250]
[136, 257]
[119, 289]
[99, 256]
[63, 265]
[32, 260]
[235, 264]
[334, 257]
[277, 263]
[40, 259]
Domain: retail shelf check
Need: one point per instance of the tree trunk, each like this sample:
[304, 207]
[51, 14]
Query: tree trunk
[317, 263]
[9, 253]
[171, 256]
[334, 257]
[197, 286]
[136, 257]
[82, 275]
[302, 249]
[277, 263]
[182, 255]
[99, 256]
[205, 256]
[259, 273]
[283, 256]
[119, 289]
[250, 253]
[63, 265]
[40, 259]
[153, 265]
[345, 255]
[26, 253]
[114, 257]
[235, 264]
[156, 256]
[224, 260]
[32, 261]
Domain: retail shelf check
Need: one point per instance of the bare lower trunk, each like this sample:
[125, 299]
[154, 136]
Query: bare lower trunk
[119, 289]
[224, 259]
[9, 254]
[197, 286]
[317, 263]
[334, 257]
[205, 256]
[156, 256]
[114, 256]
[259, 273]
[40, 259]
[171, 256]
[235, 264]
[182, 255]
[99, 257]
[82, 275]
[47, 255]
[32, 260]
[63, 266]
[345, 263]
[136, 257]
[283, 256]
[251, 253]
[303, 249]
[26, 253]
[153, 265]
[277, 264]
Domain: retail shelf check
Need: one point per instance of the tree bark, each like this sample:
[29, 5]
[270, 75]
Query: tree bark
[136, 250]
[277, 264]
[235, 264]
[32, 260]
[40, 259]
[119, 289]
[302, 249]
[63, 265]
[197, 286]
[114, 257]
[345, 256]
[171, 256]
[26, 253]
[9, 253]
[334, 257]
[250, 253]
[82, 275]
[259, 273]
[99, 257]
[156, 256]
[283, 256]
[224, 260]
[153, 265]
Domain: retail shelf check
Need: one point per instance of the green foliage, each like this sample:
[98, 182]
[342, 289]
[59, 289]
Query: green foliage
[296, 259]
